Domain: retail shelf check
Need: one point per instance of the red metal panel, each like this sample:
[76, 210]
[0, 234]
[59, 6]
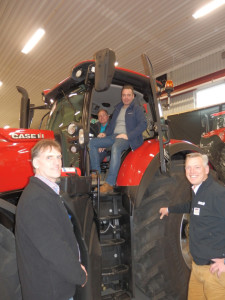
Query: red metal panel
[219, 132]
[136, 162]
[15, 165]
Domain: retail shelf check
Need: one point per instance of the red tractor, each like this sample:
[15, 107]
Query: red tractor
[128, 251]
[212, 141]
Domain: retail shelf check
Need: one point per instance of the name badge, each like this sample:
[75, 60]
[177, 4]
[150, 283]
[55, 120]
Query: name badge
[196, 211]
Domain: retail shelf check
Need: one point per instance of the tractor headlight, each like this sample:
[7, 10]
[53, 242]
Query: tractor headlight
[72, 128]
[73, 149]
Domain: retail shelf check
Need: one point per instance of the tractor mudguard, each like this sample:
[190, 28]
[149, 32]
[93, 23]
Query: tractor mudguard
[136, 162]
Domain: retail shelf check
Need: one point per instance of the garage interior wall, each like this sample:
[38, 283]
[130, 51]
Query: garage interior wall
[194, 70]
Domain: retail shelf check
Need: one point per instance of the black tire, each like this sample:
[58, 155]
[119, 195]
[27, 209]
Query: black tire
[160, 268]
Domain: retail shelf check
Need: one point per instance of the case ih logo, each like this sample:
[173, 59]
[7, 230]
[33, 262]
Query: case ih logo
[27, 136]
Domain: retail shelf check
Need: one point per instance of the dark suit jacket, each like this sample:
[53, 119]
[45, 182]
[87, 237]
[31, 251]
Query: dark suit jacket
[47, 251]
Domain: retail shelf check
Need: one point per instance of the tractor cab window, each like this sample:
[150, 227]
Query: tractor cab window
[67, 109]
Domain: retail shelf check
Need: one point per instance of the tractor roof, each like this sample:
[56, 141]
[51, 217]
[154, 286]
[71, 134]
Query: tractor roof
[121, 77]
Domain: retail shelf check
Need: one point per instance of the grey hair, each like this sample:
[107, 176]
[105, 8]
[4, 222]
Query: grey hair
[204, 157]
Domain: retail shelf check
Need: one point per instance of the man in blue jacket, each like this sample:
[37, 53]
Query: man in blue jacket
[124, 131]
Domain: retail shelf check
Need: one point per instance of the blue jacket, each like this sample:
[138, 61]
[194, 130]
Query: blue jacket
[135, 123]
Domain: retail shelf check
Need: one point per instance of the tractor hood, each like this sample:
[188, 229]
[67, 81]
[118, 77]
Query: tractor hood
[15, 157]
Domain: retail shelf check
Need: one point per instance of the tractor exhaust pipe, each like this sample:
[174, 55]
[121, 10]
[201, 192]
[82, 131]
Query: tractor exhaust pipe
[24, 108]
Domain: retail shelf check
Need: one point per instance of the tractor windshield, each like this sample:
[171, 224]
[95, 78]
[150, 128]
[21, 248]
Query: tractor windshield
[67, 109]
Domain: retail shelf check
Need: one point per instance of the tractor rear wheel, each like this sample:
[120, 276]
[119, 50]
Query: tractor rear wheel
[161, 251]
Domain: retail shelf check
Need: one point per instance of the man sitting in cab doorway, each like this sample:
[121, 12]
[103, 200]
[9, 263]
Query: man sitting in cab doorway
[103, 121]
[124, 130]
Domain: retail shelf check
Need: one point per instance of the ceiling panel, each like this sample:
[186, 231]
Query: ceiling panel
[76, 29]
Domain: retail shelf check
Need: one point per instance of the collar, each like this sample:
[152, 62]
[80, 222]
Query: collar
[54, 186]
[195, 189]
[205, 183]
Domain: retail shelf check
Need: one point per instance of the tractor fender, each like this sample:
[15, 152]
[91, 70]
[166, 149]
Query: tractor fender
[146, 156]
[154, 165]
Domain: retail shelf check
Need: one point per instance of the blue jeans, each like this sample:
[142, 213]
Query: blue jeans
[117, 147]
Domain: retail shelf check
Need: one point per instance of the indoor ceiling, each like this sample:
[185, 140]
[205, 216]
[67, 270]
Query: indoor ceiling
[76, 29]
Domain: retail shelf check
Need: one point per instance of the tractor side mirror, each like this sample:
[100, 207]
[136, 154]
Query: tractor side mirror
[104, 68]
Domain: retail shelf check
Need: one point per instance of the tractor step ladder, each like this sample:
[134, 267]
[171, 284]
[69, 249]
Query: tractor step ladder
[114, 268]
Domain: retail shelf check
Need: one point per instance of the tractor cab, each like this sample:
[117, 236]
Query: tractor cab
[75, 104]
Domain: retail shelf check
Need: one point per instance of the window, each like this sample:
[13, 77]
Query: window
[67, 109]
[210, 96]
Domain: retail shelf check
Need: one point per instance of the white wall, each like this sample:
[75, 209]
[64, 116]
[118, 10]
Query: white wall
[195, 69]
[179, 104]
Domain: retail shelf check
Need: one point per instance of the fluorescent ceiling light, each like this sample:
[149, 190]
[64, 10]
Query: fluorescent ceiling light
[33, 41]
[1, 83]
[212, 5]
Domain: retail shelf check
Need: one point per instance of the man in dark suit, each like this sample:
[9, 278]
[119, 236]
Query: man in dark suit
[47, 250]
